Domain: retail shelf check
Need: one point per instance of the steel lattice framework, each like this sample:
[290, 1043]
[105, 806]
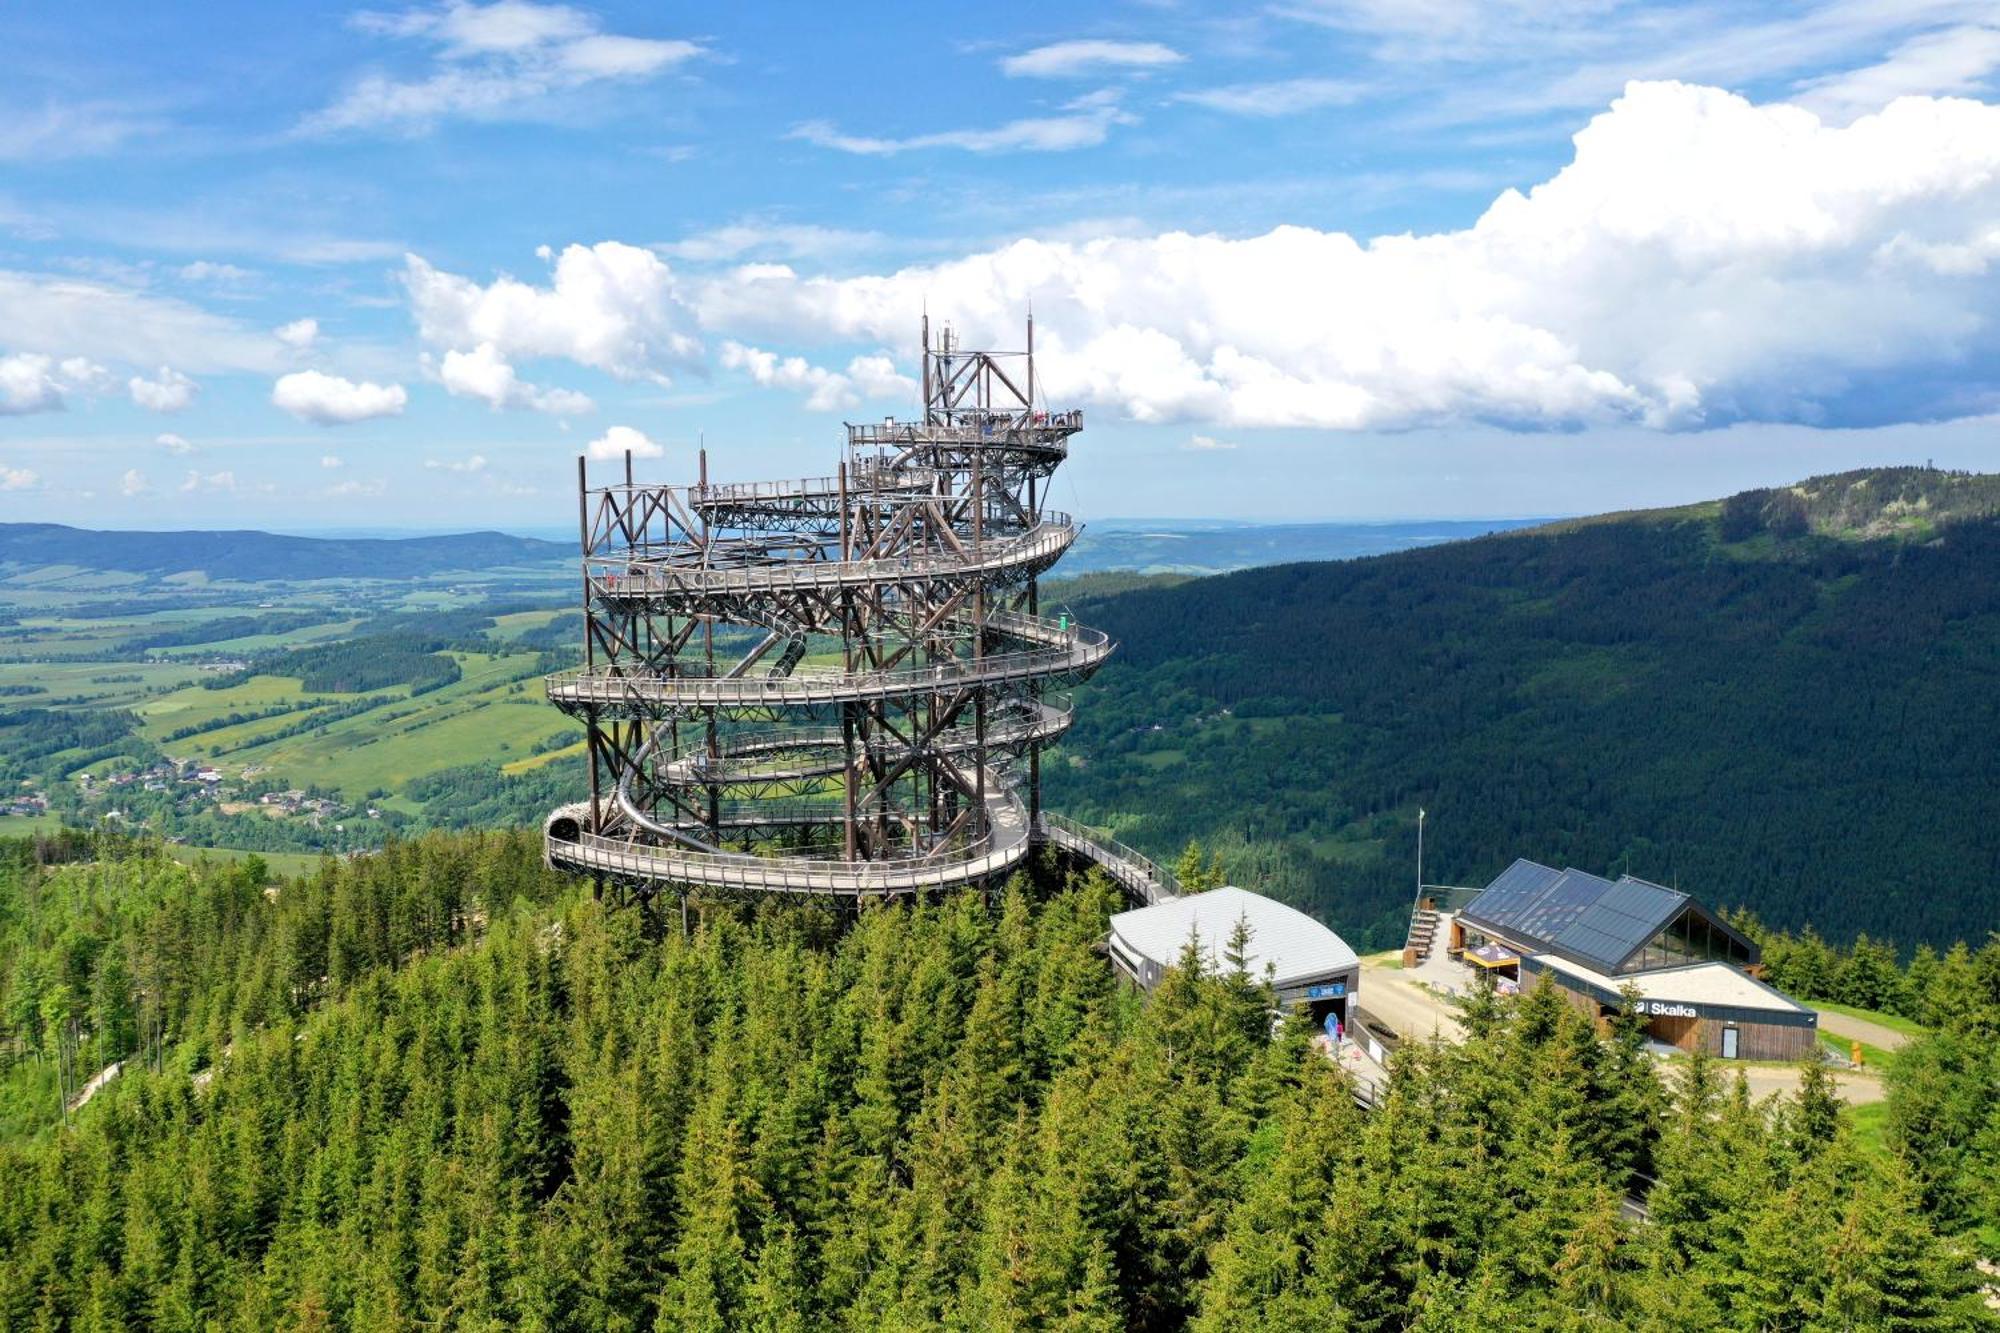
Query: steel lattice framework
[835, 686]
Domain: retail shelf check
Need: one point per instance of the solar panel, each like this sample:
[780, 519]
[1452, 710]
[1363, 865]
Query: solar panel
[1591, 919]
[1511, 890]
[1596, 948]
[1624, 917]
[1566, 899]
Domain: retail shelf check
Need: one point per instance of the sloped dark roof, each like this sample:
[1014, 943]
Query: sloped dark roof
[1595, 921]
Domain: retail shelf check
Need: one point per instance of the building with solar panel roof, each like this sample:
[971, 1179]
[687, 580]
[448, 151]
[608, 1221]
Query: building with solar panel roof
[1594, 937]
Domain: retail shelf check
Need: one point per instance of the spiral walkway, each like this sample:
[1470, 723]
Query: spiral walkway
[838, 686]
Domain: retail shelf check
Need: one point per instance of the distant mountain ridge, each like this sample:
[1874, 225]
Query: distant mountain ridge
[1789, 699]
[251, 555]
[1170, 546]
[1202, 546]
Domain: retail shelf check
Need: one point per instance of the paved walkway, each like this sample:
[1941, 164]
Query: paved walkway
[1861, 1029]
[1855, 1089]
[1395, 998]
[95, 1085]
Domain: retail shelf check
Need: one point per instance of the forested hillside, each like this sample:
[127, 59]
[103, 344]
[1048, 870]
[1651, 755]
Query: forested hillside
[1789, 701]
[438, 1088]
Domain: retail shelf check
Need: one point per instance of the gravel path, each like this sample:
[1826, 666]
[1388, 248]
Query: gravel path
[1860, 1029]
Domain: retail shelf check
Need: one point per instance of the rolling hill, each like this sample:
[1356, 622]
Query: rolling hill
[1788, 700]
[247, 556]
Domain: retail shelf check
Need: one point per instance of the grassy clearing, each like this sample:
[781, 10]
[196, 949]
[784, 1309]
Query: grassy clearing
[491, 715]
[93, 684]
[1872, 1057]
[227, 742]
[22, 826]
[196, 706]
[1894, 1022]
[516, 623]
[281, 863]
[1870, 1124]
[259, 643]
[515, 767]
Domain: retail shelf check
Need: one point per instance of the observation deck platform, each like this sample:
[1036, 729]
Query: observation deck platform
[643, 577]
[1068, 655]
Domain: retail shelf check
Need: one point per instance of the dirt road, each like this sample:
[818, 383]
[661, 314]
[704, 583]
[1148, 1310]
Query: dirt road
[1406, 1008]
[1855, 1089]
[1860, 1029]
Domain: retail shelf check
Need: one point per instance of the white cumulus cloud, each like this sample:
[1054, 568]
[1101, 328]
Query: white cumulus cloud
[18, 478]
[330, 400]
[223, 482]
[173, 444]
[481, 373]
[34, 382]
[476, 463]
[1700, 260]
[1207, 444]
[330, 461]
[616, 441]
[208, 271]
[612, 307]
[134, 483]
[300, 333]
[873, 376]
[1066, 59]
[169, 391]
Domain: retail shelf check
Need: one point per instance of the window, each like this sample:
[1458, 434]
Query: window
[1692, 937]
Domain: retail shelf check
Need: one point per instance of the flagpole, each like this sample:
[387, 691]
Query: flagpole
[1420, 860]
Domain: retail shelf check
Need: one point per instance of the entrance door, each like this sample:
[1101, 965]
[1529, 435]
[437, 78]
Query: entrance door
[1729, 1043]
[1330, 1015]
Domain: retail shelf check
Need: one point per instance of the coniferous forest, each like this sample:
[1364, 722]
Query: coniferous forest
[1770, 707]
[439, 1087]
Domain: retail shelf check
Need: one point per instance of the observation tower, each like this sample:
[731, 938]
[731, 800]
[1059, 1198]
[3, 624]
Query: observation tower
[836, 686]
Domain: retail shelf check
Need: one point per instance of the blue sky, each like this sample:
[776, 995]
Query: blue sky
[306, 267]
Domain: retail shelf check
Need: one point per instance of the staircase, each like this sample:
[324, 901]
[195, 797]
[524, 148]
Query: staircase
[1423, 933]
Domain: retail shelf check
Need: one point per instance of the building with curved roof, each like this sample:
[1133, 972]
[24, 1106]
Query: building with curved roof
[1306, 962]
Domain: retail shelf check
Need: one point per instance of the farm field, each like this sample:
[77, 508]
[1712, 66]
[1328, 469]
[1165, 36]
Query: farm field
[349, 689]
[493, 713]
[91, 684]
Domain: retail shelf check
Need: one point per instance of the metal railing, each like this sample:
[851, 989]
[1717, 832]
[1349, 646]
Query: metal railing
[615, 578]
[828, 878]
[1144, 877]
[1000, 849]
[863, 478]
[739, 751]
[1450, 897]
[1081, 652]
[1040, 430]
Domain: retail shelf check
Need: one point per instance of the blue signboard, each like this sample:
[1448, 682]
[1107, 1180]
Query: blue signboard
[1332, 991]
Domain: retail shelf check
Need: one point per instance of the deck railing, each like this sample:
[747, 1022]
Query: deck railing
[1144, 877]
[618, 576]
[1076, 652]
